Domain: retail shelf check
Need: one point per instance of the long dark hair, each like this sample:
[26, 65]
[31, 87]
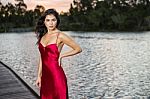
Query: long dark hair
[40, 28]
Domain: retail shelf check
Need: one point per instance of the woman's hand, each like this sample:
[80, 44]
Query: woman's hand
[38, 82]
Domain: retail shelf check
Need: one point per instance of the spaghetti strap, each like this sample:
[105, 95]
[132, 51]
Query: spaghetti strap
[57, 37]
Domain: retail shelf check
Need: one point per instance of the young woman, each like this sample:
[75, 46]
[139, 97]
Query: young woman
[51, 78]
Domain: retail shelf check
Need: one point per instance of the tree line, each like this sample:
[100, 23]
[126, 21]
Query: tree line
[110, 15]
[17, 16]
[83, 15]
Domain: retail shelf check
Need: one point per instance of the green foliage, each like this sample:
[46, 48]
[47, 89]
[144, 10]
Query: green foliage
[84, 15]
[109, 15]
[17, 16]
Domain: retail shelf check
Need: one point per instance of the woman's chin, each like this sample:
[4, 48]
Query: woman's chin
[52, 29]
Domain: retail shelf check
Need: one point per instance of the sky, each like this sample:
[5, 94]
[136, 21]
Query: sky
[59, 5]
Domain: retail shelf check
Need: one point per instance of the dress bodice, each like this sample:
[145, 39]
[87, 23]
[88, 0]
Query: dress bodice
[50, 50]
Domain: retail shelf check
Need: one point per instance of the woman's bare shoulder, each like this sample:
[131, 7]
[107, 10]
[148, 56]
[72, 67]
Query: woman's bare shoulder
[63, 35]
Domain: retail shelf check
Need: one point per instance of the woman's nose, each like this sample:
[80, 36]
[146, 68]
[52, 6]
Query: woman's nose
[50, 22]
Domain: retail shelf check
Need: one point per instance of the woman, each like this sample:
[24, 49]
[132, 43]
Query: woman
[51, 78]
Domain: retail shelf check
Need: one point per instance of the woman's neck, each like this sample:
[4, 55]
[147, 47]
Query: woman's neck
[52, 31]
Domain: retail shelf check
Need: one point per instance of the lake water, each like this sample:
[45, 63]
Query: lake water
[110, 65]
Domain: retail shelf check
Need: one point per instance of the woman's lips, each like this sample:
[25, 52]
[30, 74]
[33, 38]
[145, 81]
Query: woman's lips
[51, 26]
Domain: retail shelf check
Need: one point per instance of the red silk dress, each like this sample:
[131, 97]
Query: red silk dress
[53, 80]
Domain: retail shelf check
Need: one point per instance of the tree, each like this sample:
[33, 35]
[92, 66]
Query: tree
[39, 9]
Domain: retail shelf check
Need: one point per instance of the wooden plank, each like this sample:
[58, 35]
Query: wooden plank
[11, 87]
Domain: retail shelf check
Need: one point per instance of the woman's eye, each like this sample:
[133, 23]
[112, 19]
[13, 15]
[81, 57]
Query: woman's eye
[47, 20]
[53, 19]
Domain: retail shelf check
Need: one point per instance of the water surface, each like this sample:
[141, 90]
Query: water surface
[110, 65]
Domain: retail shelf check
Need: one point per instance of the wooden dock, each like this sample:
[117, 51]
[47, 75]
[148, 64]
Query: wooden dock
[11, 87]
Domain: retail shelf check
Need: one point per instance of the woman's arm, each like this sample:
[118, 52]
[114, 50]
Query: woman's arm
[71, 43]
[40, 67]
[38, 81]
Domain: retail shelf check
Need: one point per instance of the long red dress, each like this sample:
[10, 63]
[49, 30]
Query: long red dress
[53, 80]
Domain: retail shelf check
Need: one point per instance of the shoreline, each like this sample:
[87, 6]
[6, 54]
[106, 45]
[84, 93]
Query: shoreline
[31, 29]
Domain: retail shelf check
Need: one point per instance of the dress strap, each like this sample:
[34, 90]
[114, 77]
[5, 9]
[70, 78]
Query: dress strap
[57, 37]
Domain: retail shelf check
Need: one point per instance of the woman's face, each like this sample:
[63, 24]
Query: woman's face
[50, 22]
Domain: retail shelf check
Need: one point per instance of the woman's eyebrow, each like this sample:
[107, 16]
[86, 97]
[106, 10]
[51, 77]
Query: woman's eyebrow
[50, 18]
